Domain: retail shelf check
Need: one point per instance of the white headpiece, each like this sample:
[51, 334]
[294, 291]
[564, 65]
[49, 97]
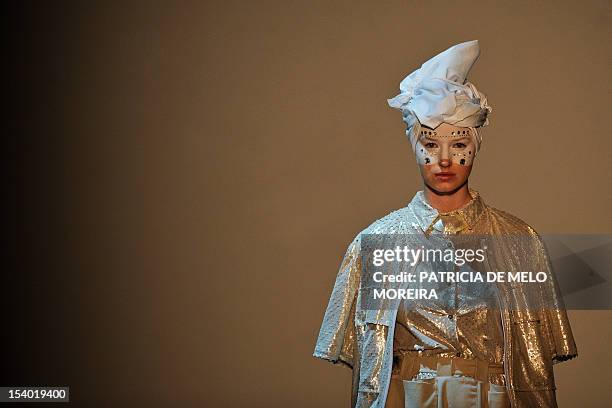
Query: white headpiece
[439, 92]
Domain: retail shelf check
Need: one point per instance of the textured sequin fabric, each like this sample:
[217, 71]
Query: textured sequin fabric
[534, 337]
[465, 321]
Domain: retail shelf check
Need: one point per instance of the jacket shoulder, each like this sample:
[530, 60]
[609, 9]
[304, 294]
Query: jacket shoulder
[510, 222]
[398, 221]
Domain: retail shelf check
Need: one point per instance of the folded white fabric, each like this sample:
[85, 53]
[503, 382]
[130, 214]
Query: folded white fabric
[439, 92]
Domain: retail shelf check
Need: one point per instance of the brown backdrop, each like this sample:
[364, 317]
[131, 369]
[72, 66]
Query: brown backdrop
[190, 176]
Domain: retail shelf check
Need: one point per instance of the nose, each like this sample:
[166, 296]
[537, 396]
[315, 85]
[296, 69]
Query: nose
[444, 158]
[445, 163]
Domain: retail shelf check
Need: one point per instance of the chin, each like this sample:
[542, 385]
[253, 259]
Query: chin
[443, 187]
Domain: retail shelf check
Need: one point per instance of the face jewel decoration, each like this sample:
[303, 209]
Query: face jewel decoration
[446, 142]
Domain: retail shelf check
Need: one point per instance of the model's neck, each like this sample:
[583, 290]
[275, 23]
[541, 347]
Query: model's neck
[451, 202]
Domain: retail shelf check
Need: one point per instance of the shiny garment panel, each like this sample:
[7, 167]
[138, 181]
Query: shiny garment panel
[533, 341]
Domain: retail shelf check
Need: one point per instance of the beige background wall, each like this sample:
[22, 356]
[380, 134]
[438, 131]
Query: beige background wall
[196, 170]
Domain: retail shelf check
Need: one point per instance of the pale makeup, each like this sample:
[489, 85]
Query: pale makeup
[446, 142]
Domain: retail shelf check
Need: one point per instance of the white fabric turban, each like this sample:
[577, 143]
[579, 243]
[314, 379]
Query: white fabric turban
[439, 92]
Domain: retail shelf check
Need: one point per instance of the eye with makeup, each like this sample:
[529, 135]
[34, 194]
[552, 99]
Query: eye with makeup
[459, 145]
[431, 145]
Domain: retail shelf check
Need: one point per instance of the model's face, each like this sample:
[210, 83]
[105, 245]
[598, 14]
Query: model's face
[445, 156]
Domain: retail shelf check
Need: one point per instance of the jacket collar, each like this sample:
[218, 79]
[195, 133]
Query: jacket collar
[460, 220]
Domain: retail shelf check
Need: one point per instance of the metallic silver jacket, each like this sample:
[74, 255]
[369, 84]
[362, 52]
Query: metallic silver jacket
[535, 336]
